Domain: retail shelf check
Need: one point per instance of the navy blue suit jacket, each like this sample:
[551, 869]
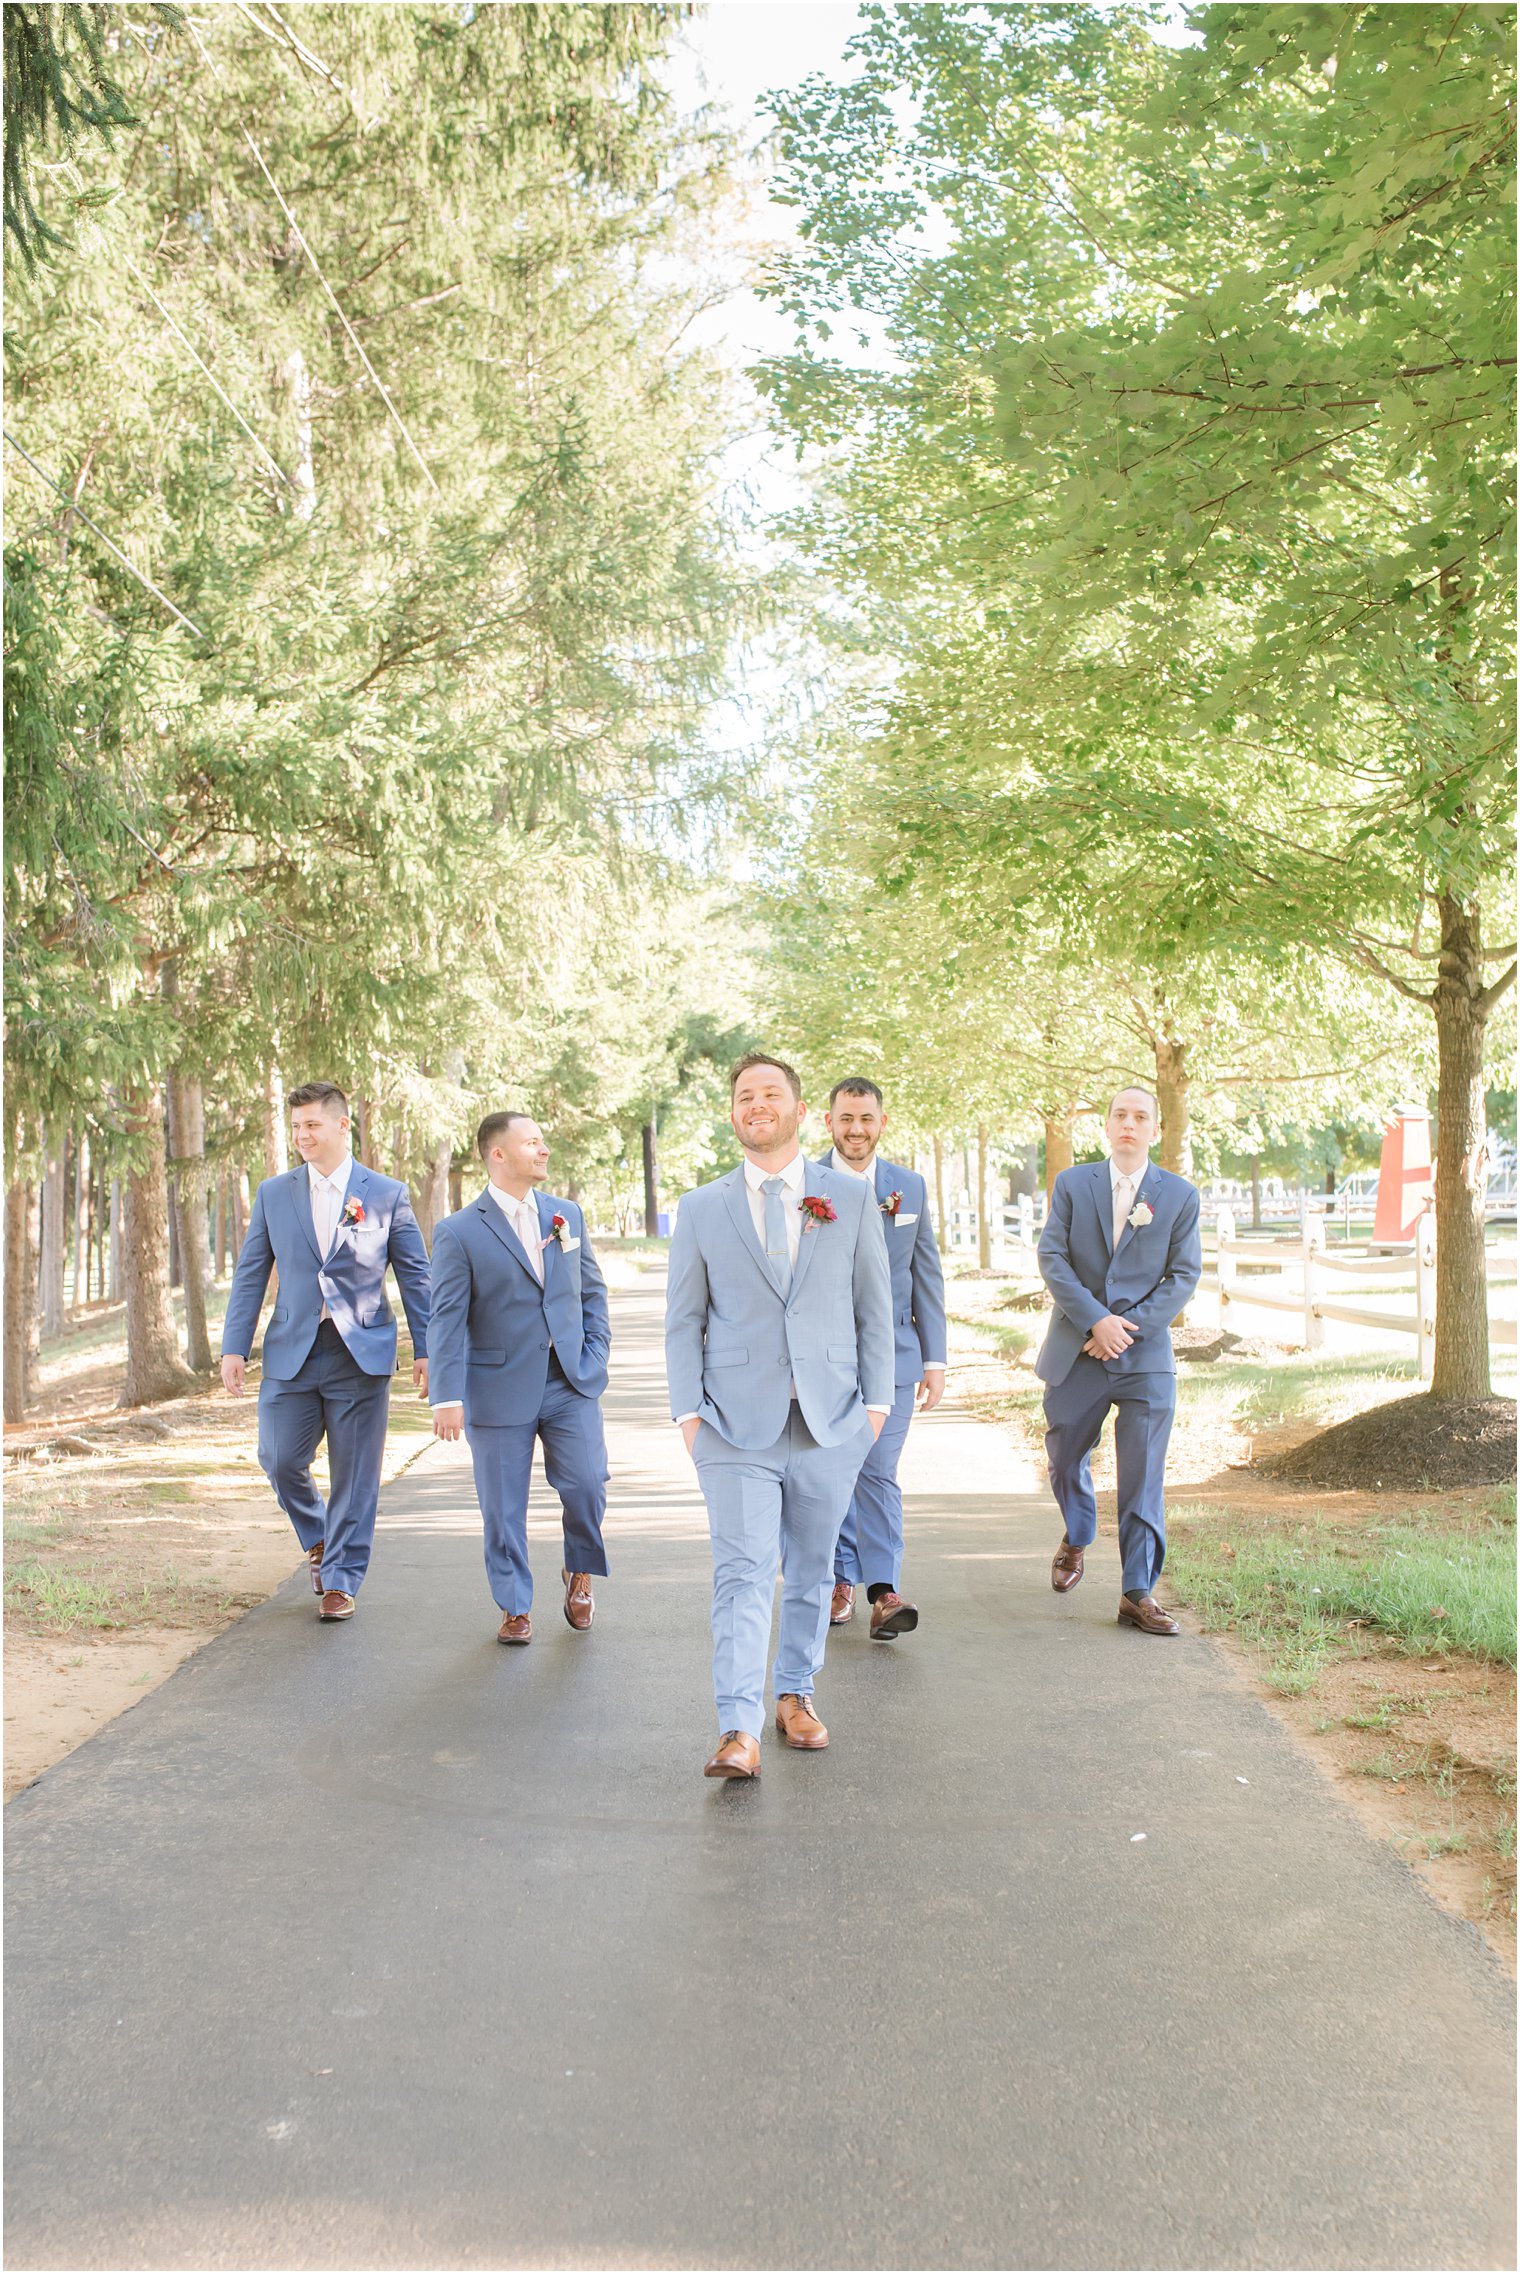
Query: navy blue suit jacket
[918, 1276]
[492, 1322]
[1147, 1280]
[349, 1279]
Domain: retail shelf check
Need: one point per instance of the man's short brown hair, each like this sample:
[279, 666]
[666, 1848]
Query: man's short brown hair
[856, 1086]
[496, 1125]
[1137, 1090]
[765, 1058]
[325, 1094]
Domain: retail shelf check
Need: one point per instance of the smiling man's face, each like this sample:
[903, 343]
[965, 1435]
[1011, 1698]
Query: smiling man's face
[766, 1114]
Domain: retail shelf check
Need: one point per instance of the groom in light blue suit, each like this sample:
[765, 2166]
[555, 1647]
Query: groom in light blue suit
[333, 1228]
[1121, 1256]
[778, 1349]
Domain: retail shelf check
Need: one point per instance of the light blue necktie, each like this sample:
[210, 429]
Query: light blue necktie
[777, 1254]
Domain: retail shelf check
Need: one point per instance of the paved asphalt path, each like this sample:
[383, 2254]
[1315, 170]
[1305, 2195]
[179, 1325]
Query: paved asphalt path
[381, 1946]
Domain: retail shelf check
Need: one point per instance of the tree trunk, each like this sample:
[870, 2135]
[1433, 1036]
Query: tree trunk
[155, 1369]
[81, 1221]
[240, 1205]
[367, 1148]
[456, 1190]
[102, 1222]
[941, 1220]
[219, 1220]
[187, 1138]
[20, 1297]
[1461, 1368]
[50, 1289]
[1057, 1148]
[1256, 1192]
[651, 1180]
[1172, 1085]
[274, 1121]
[114, 1287]
[983, 1202]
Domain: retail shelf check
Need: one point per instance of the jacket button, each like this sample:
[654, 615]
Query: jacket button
[543, 1346]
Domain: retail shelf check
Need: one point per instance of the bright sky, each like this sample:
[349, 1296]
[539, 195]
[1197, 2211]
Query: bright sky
[730, 55]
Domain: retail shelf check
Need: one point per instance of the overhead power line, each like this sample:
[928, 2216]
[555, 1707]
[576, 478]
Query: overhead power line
[343, 320]
[261, 447]
[130, 566]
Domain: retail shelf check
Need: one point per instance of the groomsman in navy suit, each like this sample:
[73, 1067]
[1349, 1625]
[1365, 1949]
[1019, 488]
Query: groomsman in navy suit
[332, 1227]
[869, 1551]
[520, 1339]
[1121, 1256]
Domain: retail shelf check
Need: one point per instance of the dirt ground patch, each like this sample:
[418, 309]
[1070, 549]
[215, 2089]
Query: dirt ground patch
[1410, 1444]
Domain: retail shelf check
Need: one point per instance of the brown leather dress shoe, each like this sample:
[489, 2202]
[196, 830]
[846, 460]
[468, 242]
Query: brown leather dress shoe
[1144, 1612]
[842, 1608]
[1065, 1568]
[738, 1755]
[799, 1725]
[314, 1559]
[579, 1607]
[515, 1627]
[336, 1605]
[892, 1615]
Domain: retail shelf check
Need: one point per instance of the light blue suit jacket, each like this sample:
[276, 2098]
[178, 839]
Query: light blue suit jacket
[492, 1321]
[349, 1279]
[734, 1345]
[918, 1276]
[1146, 1281]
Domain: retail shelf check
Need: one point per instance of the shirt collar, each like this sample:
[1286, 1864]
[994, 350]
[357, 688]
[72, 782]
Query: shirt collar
[508, 1202]
[867, 1175]
[339, 1178]
[791, 1176]
[1115, 1172]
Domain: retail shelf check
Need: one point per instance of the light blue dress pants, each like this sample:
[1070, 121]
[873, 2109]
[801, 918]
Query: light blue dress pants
[330, 1397]
[1076, 1410]
[870, 1549]
[782, 1505]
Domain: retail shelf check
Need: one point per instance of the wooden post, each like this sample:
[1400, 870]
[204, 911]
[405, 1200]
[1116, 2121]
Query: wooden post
[983, 1208]
[1026, 1219]
[1314, 1241]
[1224, 1232]
[1425, 1291]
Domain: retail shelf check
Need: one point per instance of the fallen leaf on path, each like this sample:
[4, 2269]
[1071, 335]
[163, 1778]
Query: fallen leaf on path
[1135, 1836]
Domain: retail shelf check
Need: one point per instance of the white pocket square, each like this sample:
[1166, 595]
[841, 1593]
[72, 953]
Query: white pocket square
[900, 1219]
[567, 1245]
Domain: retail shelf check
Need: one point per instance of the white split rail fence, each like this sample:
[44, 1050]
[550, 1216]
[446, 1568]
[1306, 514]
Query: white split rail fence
[1311, 1304]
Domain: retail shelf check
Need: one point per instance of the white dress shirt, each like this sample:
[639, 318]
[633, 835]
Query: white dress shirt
[867, 1175]
[791, 1201]
[792, 1179]
[327, 1194]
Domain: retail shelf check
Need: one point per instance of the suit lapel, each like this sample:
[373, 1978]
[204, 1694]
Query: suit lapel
[300, 1197]
[550, 1257]
[736, 1198]
[812, 1181]
[1103, 1201]
[497, 1222]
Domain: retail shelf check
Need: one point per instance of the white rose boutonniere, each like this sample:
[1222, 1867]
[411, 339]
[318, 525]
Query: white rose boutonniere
[1141, 1215]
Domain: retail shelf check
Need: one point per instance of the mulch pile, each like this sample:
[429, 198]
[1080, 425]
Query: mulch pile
[1415, 1443]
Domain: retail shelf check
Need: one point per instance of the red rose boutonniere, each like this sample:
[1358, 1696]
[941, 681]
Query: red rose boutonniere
[891, 1204]
[559, 1228]
[353, 1211]
[817, 1210]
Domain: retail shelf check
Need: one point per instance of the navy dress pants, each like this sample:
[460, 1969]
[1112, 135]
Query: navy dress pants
[330, 1397]
[1075, 1411]
[869, 1550]
[569, 1426]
